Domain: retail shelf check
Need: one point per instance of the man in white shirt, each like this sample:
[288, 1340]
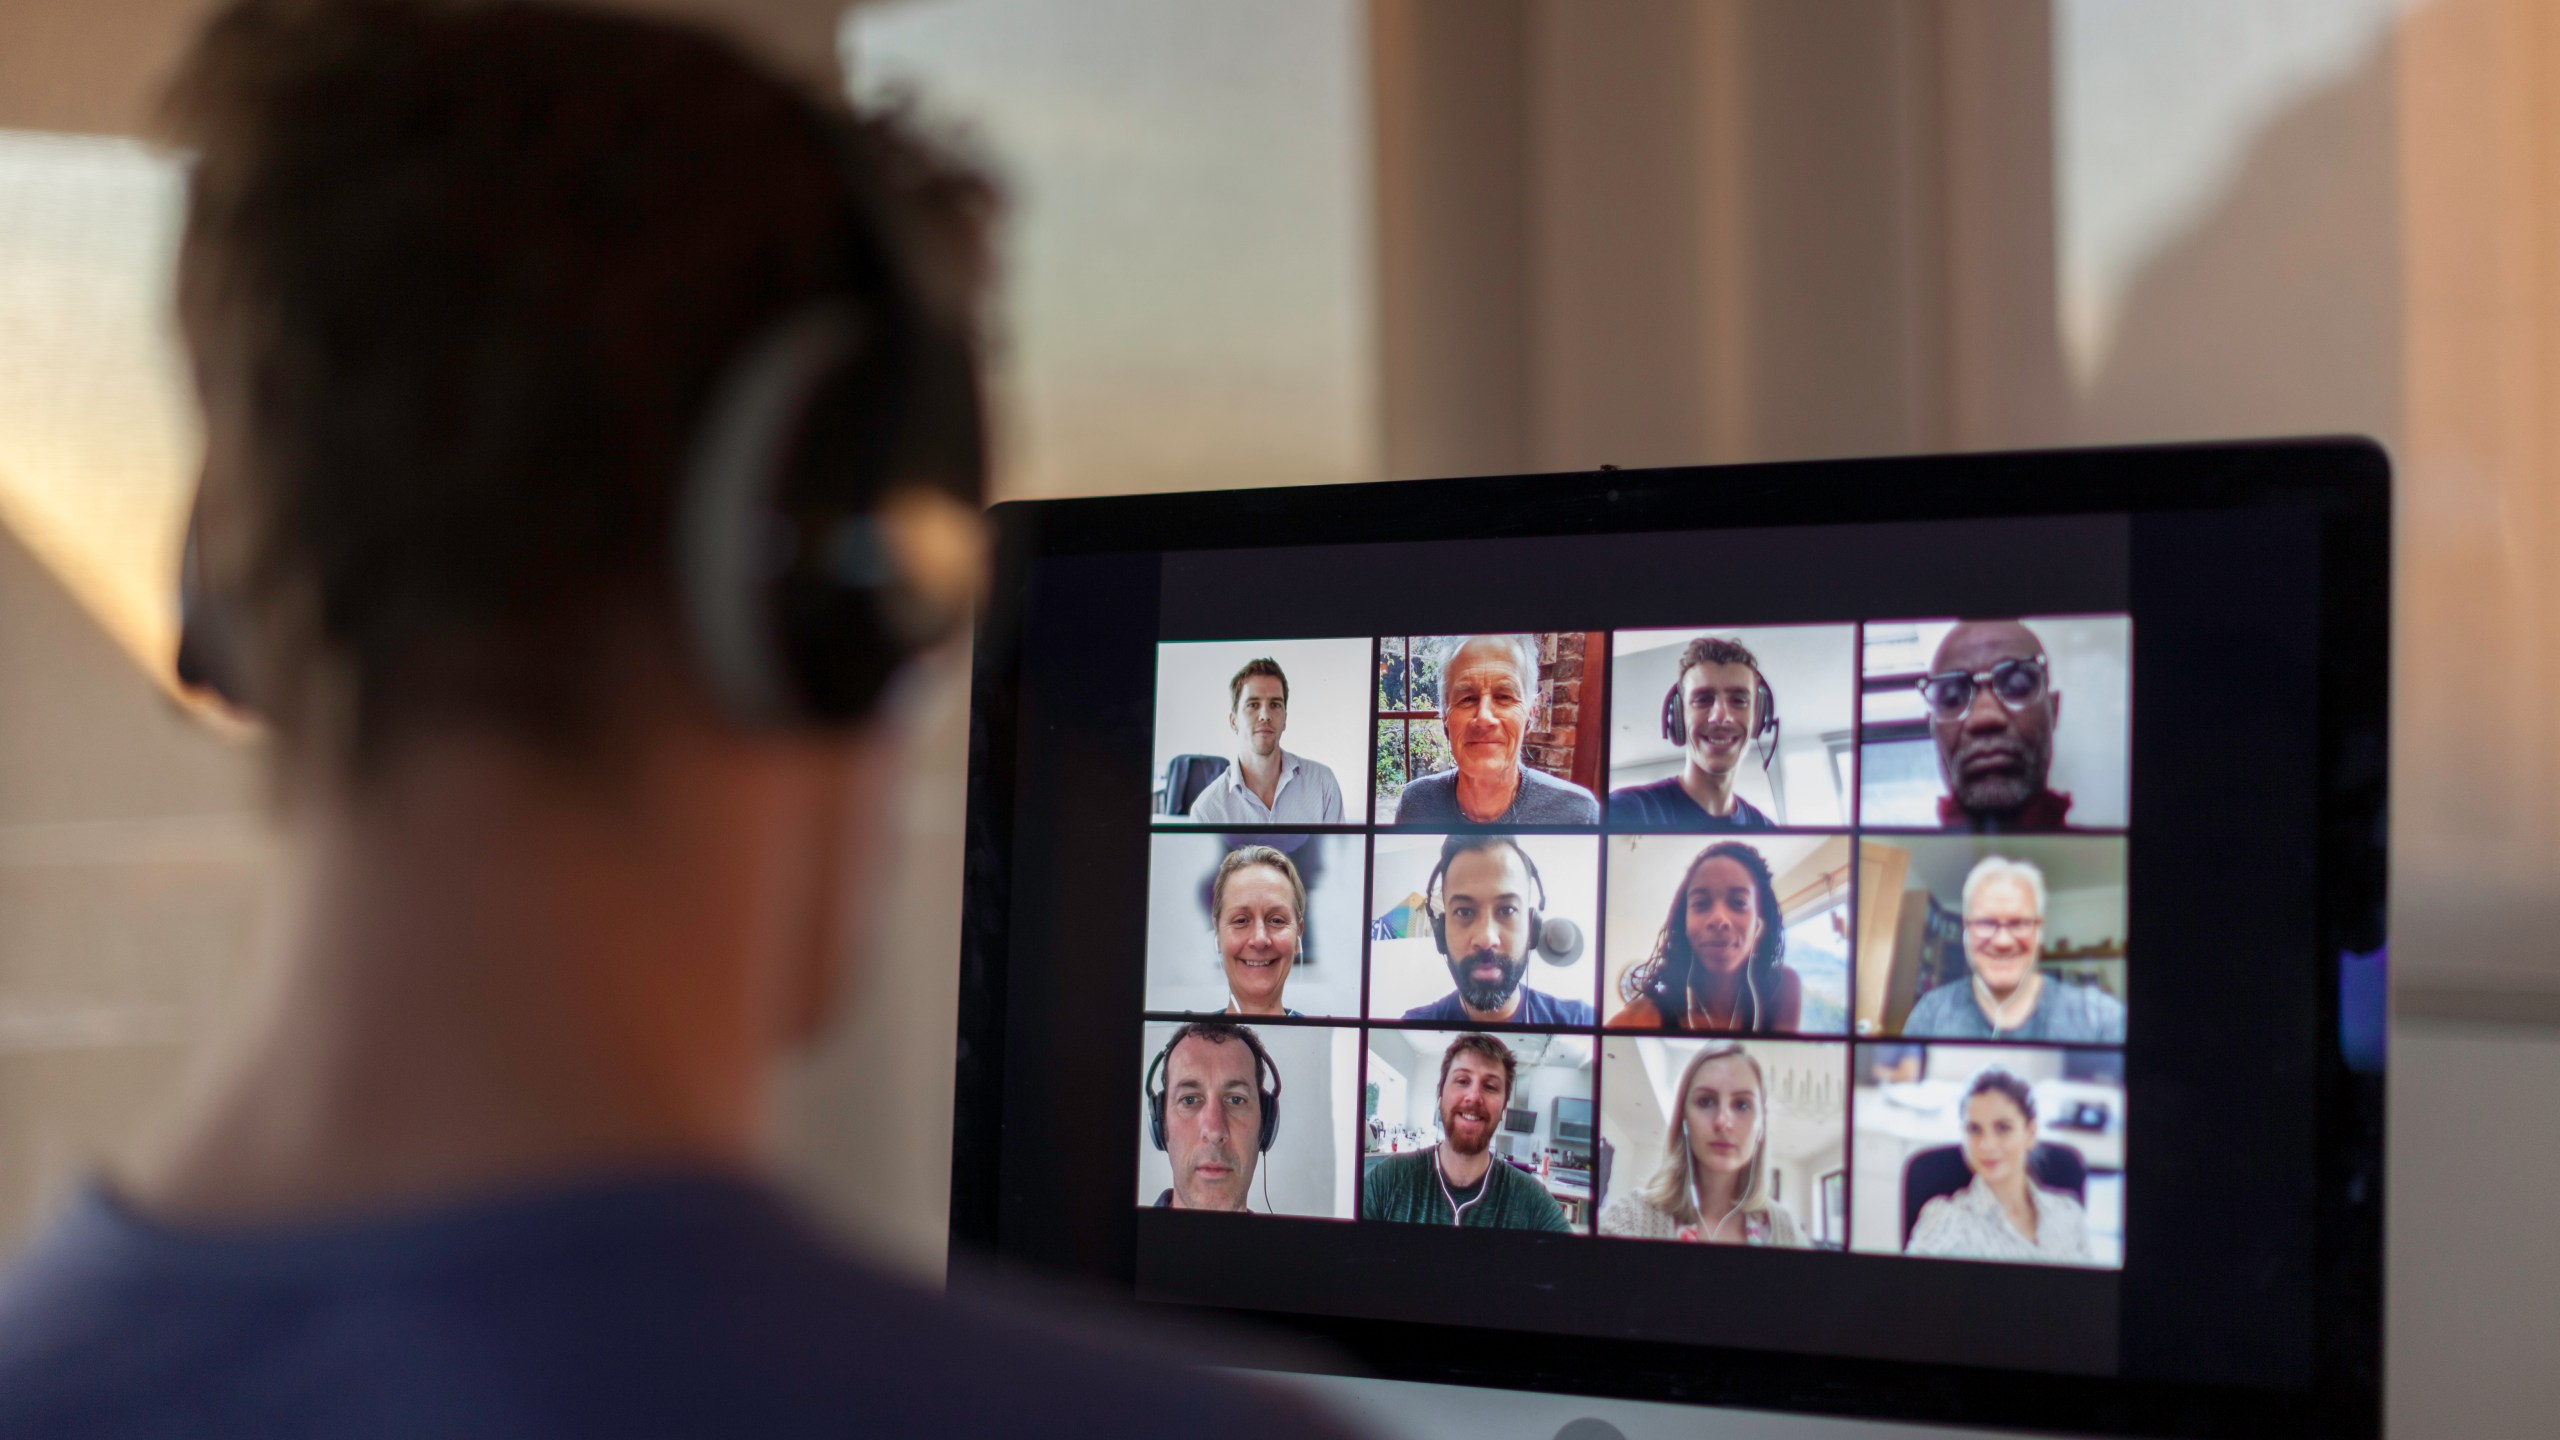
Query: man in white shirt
[1266, 785]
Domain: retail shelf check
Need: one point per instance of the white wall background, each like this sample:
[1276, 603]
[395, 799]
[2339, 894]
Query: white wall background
[1410, 972]
[1551, 1067]
[1308, 1170]
[1811, 669]
[2092, 672]
[1329, 688]
[1183, 967]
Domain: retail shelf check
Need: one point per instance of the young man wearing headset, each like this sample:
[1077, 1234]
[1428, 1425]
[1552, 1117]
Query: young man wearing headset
[590, 433]
[1718, 708]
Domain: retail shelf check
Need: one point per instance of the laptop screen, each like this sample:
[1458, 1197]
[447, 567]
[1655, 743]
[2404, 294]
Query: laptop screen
[1855, 942]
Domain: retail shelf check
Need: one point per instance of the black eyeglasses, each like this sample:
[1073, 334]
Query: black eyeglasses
[2017, 684]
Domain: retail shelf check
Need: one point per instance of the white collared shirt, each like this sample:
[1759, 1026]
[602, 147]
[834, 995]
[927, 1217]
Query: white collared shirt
[1970, 1225]
[1307, 796]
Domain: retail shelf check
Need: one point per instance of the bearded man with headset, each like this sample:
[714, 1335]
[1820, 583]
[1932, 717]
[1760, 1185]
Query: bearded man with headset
[591, 434]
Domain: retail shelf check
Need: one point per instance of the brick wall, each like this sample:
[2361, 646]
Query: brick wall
[1559, 739]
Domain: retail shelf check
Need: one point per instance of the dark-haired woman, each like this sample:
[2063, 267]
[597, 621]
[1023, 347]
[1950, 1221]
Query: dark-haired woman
[2004, 1214]
[1719, 965]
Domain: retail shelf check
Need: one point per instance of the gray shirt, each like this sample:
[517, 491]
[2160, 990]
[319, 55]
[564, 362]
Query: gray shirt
[1307, 795]
[1542, 799]
[2063, 1012]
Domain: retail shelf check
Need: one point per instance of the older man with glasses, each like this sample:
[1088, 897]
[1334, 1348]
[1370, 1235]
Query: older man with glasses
[1992, 710]
[2005, 997]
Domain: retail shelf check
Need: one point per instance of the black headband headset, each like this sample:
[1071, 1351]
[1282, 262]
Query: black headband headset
[839, 450]
[1764, 704]
[1262, 1067]
[1451, 849]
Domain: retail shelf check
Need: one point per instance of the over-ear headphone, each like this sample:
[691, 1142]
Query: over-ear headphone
[1764, 707]
[1451, 849]
[827, 527]
[1263, 1070]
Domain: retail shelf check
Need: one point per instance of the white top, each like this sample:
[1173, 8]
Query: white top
[1633, 1216]
[1307, 796]
[1970, 1225]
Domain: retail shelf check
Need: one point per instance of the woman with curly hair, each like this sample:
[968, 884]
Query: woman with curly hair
[1719, 965]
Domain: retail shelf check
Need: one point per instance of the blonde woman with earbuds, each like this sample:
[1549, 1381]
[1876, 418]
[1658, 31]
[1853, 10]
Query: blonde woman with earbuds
[1713, 1184]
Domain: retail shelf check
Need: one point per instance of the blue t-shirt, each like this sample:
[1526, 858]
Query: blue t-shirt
[1537, 1007]
[1664, 805]
[672, 1306]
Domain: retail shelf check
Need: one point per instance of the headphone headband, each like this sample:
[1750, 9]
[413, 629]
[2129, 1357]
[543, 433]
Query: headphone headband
[1263, 1068]
[1764, 720]
[1461, 844]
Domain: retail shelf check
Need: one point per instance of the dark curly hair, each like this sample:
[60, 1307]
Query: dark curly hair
[1664, 976]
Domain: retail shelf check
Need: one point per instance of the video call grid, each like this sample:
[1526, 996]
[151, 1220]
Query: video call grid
[1607, 826]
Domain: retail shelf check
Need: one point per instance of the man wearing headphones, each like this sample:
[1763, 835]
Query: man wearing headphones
[1487, 920]
[590, 438]
[1216, 1114]
[1718, 709]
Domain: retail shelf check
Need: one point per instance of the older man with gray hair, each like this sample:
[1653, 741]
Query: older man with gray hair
[2006, 997]
[1488, 698]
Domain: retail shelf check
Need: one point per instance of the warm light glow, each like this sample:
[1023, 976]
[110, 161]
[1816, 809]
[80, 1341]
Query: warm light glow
[98, 443]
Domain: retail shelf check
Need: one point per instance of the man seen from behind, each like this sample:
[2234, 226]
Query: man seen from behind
[460, 284]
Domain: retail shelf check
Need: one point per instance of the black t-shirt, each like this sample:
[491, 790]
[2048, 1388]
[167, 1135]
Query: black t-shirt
[1663, 804]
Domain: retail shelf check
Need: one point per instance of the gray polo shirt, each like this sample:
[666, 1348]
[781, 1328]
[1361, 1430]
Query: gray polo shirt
[2063, 1012]
[1307, 796]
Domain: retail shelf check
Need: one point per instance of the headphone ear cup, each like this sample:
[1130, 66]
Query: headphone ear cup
[1768, 701]
[1537, 930]
[1674, 727]
[1270, 1119]
[1440, 932]
[1155, 1119]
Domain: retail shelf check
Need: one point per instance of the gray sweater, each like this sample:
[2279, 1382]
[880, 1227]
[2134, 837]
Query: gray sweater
[1432, 802]
[2063, 1012]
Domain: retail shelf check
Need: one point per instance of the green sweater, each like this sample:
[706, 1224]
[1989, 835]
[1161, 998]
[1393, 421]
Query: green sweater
[1407, 1188]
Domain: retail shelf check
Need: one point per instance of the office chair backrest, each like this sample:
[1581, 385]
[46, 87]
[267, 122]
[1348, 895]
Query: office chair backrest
[1941, 1170]
[1185, 776]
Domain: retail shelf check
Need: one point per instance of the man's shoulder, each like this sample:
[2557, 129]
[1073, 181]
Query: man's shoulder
[1311, 771]
[1390, 1176]
[1657, 802]
[1544, 799]
[1428, 798]
[753, 1327]
[1545, 1009]
[1216, 799]
[1939, 1009]
[1444, 1008]
[2089, 1013]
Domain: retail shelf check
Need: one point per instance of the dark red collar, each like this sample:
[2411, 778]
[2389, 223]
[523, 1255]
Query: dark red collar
[2043, 811]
